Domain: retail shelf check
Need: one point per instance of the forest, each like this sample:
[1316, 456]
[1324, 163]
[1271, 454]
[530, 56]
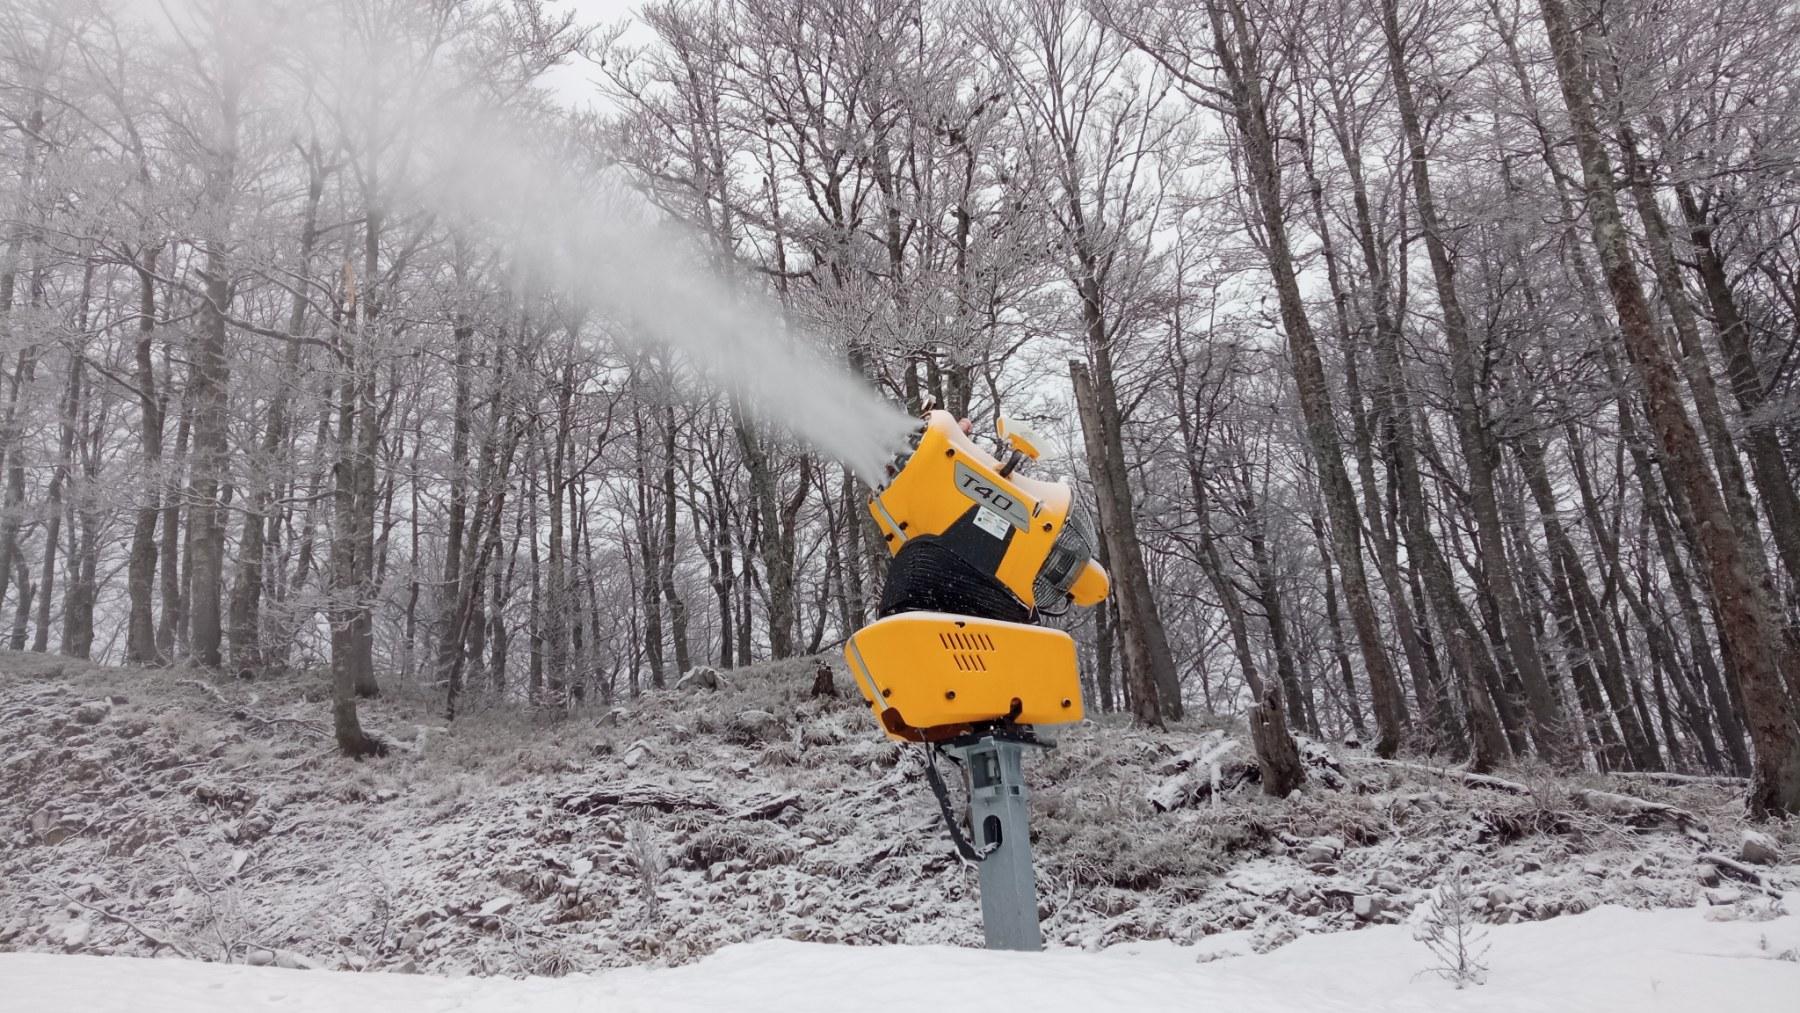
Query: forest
[1432, 367]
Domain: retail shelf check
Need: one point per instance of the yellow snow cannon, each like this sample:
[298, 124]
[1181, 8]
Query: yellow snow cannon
[980, 554]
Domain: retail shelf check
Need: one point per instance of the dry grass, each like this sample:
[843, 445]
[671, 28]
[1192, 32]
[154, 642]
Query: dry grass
[390, 861]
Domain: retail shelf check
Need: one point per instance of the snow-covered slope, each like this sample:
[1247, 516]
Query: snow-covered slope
[1609, 959]
[160, 812]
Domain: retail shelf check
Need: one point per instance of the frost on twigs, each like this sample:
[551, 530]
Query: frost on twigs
[1450, 931]
[676, 840]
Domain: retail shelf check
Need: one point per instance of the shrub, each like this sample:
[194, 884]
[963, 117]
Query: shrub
[1450, 931]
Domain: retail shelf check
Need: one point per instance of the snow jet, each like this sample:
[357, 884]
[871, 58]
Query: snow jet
[532, 183]
[587, 235]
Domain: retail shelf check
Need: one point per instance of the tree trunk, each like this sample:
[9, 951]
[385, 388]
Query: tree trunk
[1774, 480]
[1102, 425]
[649, 540]
[1277, 755]
[84, 549]
[1479, 452]
[141, 646]
[65, 464]
[209, 383]
[1212, 562]
[1413, 644]
[1695, 368]
[1241, 63]
[449, 592]
[1128, 581]
[1570, 583]
[1268, 595]
[1748, 624]
[12, 502]
[778, 570]
[467, 623]
[1487, 742]
[1335, 626]
[12, 449]
[1393, 415]
[678, 618]
[267, 478]
[344, 588]
[1103, 656]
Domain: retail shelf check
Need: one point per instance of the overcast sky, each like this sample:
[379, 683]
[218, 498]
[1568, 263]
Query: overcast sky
[575, 82]
[601, 9]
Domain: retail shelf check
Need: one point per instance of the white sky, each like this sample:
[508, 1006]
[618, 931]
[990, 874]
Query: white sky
[601, 10]
[574, 83]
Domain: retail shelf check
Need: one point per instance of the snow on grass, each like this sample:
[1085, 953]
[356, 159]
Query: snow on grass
[1608, 959]
[145, 813]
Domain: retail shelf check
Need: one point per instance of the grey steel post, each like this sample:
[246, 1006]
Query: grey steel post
[999, 817]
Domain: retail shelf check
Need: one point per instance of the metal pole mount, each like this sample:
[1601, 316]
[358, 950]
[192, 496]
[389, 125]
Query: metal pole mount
[999, 819]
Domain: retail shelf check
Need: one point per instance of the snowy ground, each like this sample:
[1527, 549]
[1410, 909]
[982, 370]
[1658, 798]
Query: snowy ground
[1609, 959]
[161, 813]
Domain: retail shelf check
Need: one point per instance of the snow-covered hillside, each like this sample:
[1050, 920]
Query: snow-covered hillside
[160, 813]
[1605, 960]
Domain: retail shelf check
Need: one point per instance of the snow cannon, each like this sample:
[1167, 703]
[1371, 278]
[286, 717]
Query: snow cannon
[980, 554]
[957, 660]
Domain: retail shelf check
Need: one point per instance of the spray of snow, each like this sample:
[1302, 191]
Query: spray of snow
[589, 237]
[535, 189]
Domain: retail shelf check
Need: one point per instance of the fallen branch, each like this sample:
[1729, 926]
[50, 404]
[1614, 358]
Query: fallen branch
[766, 807]
[310, 727]
[1173, 792]
[209, 690]
[1213, 746]
[1496, 783]
[1197, 774]
[638, 796]
[1739, 871]
[1196, 784]
[122, 920]
[1467, 777]
[635, 796]
[1636, 811]
[308, 760]
[1663, 777]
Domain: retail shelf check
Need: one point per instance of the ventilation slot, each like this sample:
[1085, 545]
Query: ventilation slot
[966, 641]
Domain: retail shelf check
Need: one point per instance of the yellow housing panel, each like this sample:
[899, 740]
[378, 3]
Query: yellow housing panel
[930, 493]
[930, 675]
